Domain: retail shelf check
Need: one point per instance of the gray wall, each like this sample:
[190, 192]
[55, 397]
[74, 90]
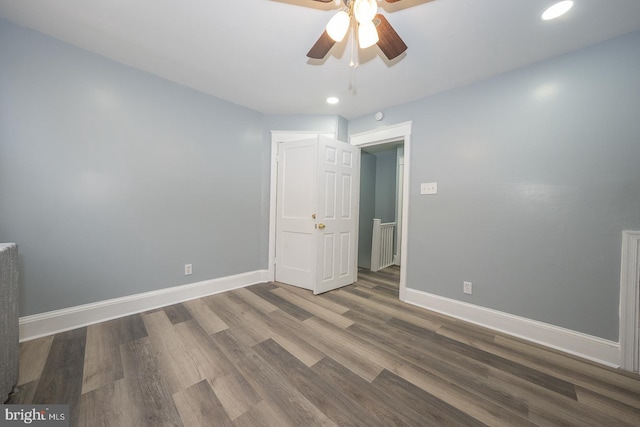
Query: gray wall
[111, 179]
[367, 208]
[304, 122]
[538, 174]
[386, 188]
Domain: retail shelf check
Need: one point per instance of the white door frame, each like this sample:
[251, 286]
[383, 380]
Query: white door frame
[382, 135]
[278, 136]
[400, 197]
[630, 301]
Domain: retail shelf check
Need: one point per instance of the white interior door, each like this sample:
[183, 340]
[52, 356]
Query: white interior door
[338, 198]
[317, 213]
[295, 207]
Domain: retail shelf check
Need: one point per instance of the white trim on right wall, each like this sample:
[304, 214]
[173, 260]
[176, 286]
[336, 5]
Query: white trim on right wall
[586, 346]
[624, 354]
[630, 301]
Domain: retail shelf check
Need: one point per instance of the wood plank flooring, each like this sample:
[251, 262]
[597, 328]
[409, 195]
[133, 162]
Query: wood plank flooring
[276, 355]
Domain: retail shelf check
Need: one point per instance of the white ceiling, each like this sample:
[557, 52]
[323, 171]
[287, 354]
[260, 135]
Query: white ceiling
[253, 52]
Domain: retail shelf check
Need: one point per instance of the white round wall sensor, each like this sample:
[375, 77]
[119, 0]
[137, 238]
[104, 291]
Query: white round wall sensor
[379, 115]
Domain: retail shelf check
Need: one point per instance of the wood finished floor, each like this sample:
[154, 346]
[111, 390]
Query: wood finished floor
[275, 355]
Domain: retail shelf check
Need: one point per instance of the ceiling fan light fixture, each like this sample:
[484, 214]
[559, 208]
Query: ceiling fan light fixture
[367, 35]
[365, 10]
[556, 10]
[338, 25]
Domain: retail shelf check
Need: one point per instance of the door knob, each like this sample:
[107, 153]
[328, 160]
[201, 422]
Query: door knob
[321, 226]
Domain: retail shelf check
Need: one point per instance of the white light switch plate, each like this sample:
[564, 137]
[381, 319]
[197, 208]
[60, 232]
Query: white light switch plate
[429, 188]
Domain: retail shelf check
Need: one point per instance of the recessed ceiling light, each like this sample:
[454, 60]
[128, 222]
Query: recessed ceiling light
[557, 9]
[332, 100]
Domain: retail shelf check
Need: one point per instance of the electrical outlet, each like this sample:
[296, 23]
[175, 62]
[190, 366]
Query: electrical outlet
[188, 269]
[429, 188]
[466, 287]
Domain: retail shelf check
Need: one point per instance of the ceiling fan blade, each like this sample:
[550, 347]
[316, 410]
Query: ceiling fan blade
[390, 42]
[388, 1]
[322, 46]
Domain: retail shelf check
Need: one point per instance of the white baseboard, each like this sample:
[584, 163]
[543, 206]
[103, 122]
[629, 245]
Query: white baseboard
[586, 346]
[52, 322]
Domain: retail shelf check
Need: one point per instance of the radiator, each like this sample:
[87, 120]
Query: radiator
[382, 253]
[8, 319]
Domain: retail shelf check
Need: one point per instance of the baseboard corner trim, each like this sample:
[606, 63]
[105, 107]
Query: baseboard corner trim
[576, 343]
[52, 322]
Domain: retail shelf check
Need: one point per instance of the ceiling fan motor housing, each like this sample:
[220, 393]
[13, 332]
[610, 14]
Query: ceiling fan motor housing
[373, 28]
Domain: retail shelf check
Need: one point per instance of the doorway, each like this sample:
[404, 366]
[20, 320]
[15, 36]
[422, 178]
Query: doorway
[380, 221]
[382, 135]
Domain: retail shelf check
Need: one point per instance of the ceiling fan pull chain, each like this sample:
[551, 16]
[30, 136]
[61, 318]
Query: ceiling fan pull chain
[352, 83]
[353, 64]
[354, 48]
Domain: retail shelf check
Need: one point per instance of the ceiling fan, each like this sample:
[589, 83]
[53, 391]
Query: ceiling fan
[372, 28]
